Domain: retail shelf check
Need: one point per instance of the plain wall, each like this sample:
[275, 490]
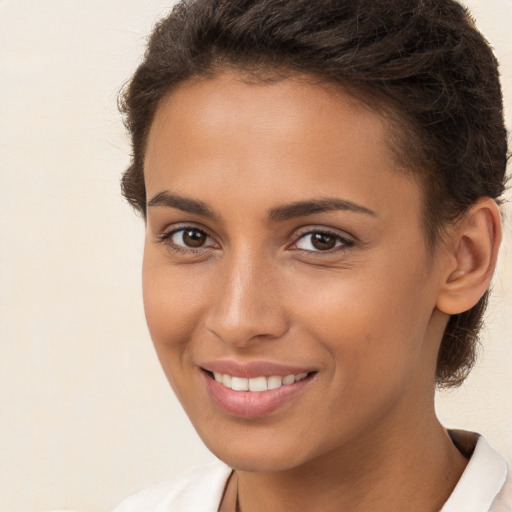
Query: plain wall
[87, 416]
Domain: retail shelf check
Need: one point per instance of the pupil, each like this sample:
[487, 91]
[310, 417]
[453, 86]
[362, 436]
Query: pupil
[194, 238]
[323, 241]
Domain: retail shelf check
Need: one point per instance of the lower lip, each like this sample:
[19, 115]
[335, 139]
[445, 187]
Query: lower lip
[253, 404]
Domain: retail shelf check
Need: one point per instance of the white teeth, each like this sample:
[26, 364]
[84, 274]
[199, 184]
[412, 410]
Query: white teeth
[275, 382]
[239, 384]
[289, 379]
[257, 383]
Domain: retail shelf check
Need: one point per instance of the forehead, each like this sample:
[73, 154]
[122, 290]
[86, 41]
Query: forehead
[277, 141]
[232, 101]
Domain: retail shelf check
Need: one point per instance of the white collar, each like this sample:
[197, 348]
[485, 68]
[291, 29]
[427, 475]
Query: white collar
[482, 485]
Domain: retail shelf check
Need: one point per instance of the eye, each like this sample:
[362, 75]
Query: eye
[189, 237]
[186, 239]
[322, 241]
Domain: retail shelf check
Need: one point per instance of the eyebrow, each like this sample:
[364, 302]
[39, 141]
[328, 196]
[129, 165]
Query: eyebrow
[303, 208]
[276, 214]
[185, 204]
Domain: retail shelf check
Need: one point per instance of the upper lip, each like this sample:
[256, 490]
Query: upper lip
[253, 369]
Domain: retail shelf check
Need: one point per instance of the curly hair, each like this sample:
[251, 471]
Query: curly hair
[422, 63]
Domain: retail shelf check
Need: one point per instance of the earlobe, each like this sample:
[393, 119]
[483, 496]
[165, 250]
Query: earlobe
[474, 250]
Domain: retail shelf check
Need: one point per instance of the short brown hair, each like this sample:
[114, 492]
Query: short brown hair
[423, 60]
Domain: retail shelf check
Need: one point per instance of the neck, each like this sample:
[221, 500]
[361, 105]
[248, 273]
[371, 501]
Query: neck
[415, 467]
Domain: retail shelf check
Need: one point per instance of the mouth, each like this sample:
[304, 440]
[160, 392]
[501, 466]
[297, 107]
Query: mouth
[256, 396]
[257, 384]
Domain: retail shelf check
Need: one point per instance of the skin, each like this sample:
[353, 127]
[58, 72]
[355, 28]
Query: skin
[363, 435]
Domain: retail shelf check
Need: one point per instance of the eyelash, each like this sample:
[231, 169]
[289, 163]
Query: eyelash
[345, 243]
[164, 238]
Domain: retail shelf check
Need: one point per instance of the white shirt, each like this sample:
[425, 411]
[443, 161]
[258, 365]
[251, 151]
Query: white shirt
[485, 486]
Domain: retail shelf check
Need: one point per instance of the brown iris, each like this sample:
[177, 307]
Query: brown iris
[323, 241]
[194, 238]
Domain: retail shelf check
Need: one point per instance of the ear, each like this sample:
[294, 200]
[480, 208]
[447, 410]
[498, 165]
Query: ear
[473, 251]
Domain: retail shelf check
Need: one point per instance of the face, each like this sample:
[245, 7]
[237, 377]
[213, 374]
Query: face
[284, 253]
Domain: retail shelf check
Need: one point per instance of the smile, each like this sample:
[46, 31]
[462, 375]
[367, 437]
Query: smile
[257, 384]
[266, 388]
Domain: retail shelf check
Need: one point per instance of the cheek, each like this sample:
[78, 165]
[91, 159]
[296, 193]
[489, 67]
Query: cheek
[371, 321]
[173, 305]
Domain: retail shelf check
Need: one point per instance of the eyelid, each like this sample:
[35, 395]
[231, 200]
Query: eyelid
[166, 234]
[347, 240]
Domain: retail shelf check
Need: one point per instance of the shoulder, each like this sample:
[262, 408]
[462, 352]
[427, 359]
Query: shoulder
[198, 491]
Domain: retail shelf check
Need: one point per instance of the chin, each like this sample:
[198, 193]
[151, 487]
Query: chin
[258, 461]
[265, 453]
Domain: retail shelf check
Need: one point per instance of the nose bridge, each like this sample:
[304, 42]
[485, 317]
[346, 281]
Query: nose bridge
[247, 305]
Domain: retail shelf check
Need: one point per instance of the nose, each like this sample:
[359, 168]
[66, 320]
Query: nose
[247, 305]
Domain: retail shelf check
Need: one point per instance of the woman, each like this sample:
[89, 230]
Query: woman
[320, 183]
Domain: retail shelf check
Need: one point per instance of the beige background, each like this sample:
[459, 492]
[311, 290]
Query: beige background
[86, 415]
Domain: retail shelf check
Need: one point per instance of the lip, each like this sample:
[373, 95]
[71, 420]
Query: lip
[253, 369]
[253, 404]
